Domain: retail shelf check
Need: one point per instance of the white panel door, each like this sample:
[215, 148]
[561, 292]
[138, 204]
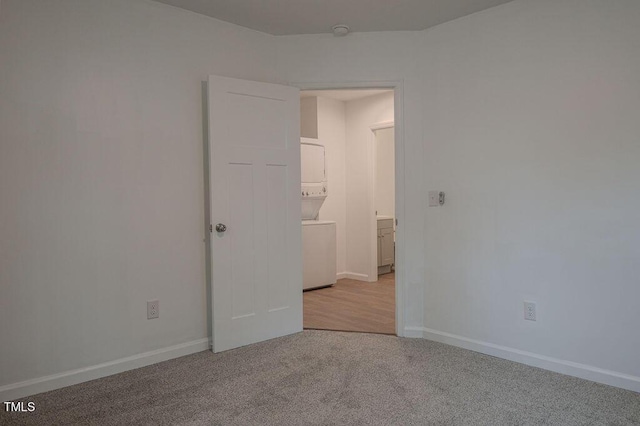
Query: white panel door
[254, 160]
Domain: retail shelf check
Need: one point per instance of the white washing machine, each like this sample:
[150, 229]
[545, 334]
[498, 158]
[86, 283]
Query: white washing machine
[318, 253]
[318, 236]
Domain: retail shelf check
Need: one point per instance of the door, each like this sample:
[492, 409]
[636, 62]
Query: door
[256, 243]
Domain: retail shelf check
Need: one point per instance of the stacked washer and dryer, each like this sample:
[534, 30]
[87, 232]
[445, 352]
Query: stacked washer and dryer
[318, 236]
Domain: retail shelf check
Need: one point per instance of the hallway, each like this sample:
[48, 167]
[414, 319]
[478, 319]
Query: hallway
[352, 305]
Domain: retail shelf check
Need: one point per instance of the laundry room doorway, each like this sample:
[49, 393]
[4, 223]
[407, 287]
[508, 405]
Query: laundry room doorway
[350, 157]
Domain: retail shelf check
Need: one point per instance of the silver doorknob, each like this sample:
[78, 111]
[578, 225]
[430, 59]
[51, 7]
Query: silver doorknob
[221, 227]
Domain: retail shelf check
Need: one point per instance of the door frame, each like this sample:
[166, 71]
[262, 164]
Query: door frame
[398, 119]
[372, 165]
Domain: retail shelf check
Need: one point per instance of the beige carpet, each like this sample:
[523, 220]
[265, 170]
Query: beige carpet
[334, 378]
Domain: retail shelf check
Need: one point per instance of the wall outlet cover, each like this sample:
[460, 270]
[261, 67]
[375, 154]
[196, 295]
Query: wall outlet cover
[434, 198]
[153, 309]
[530, 311]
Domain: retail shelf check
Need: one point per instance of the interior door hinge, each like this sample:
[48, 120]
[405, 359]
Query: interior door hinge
[396, 222]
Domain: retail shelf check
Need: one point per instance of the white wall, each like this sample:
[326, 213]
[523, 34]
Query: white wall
[345, 130]
[532, 129]
[385, 173]
[309, 117]
[332, 133]
[101, 176]
[361, 115]
[529, 114]
[525, 114]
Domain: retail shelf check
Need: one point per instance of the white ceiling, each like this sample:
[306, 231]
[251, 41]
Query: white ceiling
[343, 95]
[285, 17]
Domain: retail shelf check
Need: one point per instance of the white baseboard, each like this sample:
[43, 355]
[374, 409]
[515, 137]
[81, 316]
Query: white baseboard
[583, 371]
[414, 332]
[68, 378]
[353, 276]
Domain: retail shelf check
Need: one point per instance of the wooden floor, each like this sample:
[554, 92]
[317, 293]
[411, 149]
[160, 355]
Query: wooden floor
[352, 305]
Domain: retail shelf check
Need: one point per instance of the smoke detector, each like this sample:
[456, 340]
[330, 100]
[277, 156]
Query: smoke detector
[340, 30]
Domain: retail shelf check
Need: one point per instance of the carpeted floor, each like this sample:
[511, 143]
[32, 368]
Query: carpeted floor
[332, 378]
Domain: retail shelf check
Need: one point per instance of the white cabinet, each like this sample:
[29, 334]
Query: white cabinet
[386, 245]
[318, 253]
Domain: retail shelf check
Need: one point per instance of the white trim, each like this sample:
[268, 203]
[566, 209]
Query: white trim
[398, 112]
[382, 125]
[72, 377]
[356, 276]
[570, 368]
[372, 161]
[353, 276]
[371, 208]
[401, 273]
[414, 332]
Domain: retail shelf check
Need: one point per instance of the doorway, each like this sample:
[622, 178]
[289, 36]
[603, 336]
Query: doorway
[253, 193]
[355, 127]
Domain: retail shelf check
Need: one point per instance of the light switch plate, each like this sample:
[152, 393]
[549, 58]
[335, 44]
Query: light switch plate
[434, 198]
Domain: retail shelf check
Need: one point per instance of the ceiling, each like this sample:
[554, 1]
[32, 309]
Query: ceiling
[343, 95]
[286, 17]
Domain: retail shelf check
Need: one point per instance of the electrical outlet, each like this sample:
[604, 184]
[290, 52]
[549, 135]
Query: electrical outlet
[530, 311]
[153, 309]
[434, 198]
